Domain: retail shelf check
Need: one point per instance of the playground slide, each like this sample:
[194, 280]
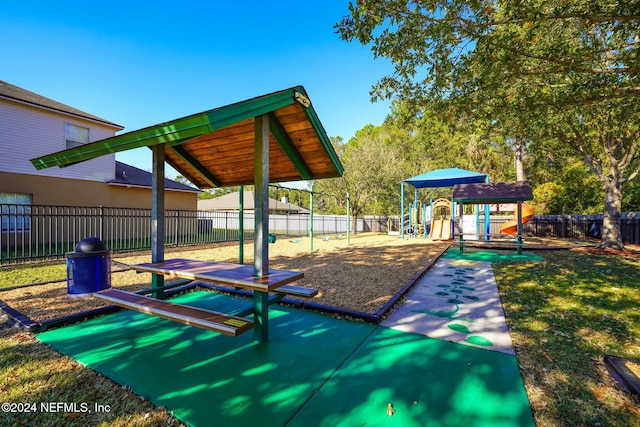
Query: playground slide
[436, 229]
[511, 227]
[440, 229]
[446, 230]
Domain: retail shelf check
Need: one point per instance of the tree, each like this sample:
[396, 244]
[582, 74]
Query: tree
[373, 169]
[540, 71]
[212, 193]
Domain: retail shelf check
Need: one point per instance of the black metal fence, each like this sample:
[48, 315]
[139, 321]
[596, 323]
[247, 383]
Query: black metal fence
[33, 233]
[582, 227]
[558, 226]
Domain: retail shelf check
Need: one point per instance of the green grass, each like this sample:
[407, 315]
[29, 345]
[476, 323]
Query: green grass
[565, 314]
[26, 274]
[32, 373]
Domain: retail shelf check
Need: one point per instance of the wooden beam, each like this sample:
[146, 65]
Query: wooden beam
[261, 196]
[241, 225]
[196, 166]
[281, 135]
[157, 216]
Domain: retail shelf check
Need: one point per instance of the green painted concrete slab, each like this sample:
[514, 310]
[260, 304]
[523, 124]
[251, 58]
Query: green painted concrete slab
[428, 382]
[314, 371]
[205, 378]
[490, 256]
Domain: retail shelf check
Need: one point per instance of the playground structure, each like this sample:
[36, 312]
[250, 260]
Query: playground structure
[470, 188]
[511, 227]
[503, 192]
[432, 220]
[439, 227]
[441, 220]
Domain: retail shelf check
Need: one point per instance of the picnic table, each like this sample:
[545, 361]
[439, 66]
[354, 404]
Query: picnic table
[239, 276]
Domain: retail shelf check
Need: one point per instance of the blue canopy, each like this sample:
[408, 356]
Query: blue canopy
[446, 178]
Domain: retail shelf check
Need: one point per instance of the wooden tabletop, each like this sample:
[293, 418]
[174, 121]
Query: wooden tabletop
[221, 272]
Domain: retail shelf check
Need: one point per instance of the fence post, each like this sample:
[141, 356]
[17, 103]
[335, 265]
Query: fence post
[101, 223]
[176, 238]
[311, 220]
[226, 225]
[348, 219]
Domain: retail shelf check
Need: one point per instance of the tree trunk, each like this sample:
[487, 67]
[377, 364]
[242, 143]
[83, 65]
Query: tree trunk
[612, 212]
[354, 224]
[518, 158]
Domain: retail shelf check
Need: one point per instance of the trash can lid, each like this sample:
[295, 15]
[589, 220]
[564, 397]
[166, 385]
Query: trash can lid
[90, 244]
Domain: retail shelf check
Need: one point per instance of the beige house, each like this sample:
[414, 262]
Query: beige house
[33, 125]
[231, 202]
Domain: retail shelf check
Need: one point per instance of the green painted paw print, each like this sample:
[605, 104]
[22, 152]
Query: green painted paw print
[473, 339]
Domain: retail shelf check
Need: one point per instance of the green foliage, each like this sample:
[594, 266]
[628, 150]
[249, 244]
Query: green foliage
[378, 158]
[631, 201]
[212, 193]
[547, 199]
[582, 189]
[373, 169]
[558, 73]
[573, 189]
[182, 180]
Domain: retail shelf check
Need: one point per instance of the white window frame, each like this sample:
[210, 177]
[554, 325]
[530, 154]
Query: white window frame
[15, 210]
[75, 135]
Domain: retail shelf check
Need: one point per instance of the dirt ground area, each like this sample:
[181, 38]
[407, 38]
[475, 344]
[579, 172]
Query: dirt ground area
[629, 251]
[359, 276]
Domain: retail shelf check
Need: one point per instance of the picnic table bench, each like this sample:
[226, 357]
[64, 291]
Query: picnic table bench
[199, 317]
[237, 275]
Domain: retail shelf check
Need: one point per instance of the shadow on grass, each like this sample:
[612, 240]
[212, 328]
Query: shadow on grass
[34, 374]
[565, 315]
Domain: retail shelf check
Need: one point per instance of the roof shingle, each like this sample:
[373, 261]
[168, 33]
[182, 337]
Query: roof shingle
[15, 93]
[131, 176]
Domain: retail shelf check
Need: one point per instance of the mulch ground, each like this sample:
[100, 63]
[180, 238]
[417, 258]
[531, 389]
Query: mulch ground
[359, 276]
[629, 251]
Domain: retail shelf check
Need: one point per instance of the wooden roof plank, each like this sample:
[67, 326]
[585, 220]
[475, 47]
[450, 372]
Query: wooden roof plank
[202, 142]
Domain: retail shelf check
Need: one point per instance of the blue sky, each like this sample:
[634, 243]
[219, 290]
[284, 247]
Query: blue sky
[139, 63]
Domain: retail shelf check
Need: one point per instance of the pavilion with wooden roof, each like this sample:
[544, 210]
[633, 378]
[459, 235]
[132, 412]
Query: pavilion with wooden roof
[271, 138]
[497, 192]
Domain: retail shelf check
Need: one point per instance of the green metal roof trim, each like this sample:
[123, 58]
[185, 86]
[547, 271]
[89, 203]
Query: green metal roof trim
[180, 130]
[326, 142]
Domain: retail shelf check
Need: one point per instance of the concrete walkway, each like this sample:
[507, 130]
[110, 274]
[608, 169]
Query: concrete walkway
[458, 301]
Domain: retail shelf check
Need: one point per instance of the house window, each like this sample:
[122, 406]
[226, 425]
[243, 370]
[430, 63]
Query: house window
[76, 135]
[15, 210]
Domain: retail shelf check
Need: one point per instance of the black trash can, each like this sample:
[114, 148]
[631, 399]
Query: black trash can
[88, 268]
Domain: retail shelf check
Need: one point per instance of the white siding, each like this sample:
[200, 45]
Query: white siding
[27, 132]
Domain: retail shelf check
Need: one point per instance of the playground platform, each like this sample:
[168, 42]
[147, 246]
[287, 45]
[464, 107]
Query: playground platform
[314, 370]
